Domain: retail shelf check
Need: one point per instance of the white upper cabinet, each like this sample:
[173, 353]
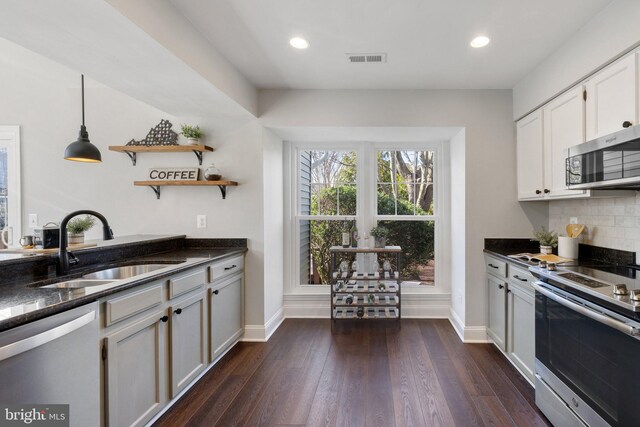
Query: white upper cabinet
[564, 127]
[530, 157]
[612, 98]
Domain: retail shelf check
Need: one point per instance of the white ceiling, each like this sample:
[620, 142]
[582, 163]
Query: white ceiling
[427, 41]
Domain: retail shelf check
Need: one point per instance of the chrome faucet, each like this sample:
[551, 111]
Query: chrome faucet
[63, 256]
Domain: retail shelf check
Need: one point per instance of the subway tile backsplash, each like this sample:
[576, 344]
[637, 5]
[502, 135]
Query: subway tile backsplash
[611, 222]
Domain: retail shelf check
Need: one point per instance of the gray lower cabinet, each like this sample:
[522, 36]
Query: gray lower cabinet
[497, 315]
[521, 326]
[188, 341]
[227, 317]
[135, 371]
[511, 313]
[159, 337]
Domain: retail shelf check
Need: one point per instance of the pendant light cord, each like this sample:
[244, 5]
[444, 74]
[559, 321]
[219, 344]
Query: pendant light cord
[82, 84]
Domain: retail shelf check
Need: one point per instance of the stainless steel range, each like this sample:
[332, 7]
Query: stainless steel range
[588, 345]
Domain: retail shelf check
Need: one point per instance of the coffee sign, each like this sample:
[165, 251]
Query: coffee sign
[173, 174]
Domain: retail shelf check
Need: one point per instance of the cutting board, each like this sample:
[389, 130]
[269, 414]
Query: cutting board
[53, 250]
[551, 258]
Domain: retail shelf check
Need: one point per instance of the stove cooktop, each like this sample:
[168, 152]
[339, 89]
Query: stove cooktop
[597, 281]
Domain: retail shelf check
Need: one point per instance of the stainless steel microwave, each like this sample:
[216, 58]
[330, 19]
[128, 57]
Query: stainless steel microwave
[611, 161]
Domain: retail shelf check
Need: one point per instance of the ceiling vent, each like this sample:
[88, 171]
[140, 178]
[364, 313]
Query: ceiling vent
[367, 57]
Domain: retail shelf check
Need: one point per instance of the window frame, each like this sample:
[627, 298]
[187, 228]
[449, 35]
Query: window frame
[366, 206]
[10, 139]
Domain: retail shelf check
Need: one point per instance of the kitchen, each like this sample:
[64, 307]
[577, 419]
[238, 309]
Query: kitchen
[252, 130]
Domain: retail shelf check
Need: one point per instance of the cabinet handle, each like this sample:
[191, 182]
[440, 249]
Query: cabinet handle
[216, 292]
[627, 124]
[500, 286]
[178, 311]
[508, 291]
[538, 192]
[519, 278]
[547, 191]
[230, 268]
[492, 266]
[164, 319]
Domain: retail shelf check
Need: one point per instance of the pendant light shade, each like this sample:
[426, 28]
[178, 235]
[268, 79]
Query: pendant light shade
[82, 150]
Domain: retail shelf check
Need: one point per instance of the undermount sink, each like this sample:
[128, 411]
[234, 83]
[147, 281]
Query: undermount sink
[126, 272]
[79, 283]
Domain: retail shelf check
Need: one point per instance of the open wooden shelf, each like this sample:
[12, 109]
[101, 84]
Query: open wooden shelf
[155, 185]
[132, 150]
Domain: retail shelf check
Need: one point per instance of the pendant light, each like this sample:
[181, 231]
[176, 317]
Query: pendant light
[82, 150]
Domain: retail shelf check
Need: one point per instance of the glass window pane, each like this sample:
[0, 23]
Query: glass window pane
[327, 182]
[346, 199]
[417, 241]
[409, 176]
[316, 237]
[386, 200]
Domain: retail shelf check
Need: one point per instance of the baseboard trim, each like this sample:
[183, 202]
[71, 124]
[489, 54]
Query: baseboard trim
[468, 334]
[261, 333]
[274, 323]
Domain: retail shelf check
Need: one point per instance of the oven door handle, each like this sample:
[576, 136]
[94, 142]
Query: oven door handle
[592, 314]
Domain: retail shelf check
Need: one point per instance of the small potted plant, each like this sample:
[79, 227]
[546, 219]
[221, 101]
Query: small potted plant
[547, 239]
[380, 233]
[192, 133]
[77, 226]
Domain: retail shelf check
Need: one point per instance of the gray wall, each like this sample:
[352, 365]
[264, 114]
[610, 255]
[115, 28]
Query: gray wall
[44, 99]
[491, 207]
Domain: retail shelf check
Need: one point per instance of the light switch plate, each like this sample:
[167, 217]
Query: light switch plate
[573, 220]
[201, 221]
[33, 220]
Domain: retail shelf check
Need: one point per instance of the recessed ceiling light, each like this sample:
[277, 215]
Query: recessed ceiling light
[299, 43]
[480, 41]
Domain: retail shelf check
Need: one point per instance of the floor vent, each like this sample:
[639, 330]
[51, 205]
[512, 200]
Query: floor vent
[367, 57]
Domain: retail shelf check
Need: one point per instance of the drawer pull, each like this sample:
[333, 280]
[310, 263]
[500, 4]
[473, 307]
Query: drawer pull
[493, 266]
[230, 268]
[164, 319]
[500, 286]
[178, 311]
[216, 292]
[519, 278]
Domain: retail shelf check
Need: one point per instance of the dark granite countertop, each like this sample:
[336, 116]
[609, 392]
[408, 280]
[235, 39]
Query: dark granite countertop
[588, 255]
[22, 300]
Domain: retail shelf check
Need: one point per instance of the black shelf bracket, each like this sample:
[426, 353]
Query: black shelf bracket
[132, 156]
[156, 189]
[199, 156]
[223, 190]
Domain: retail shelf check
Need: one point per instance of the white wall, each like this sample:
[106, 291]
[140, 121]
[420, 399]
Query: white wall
[44, 99]
[458, 224]
[607, 35]
[491, 207]
[273, 183]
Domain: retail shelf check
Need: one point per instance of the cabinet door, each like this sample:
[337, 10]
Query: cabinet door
[227, 318]
[497, 316]
[612, 98]
[521, 328]
[530, 157]
[564, 127]
[136, 371]
[188, 341]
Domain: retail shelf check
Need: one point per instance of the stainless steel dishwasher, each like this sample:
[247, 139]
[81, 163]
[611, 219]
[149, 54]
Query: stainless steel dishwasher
[55, 360]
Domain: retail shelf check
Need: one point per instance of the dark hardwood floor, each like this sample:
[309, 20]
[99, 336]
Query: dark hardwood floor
[361, 374]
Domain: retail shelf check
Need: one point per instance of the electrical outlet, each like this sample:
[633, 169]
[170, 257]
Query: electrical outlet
[33, 220]
[573, 220]
[201, 221]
